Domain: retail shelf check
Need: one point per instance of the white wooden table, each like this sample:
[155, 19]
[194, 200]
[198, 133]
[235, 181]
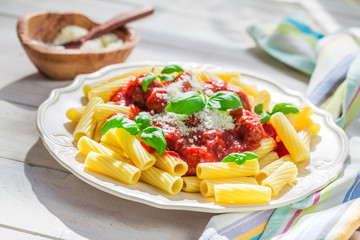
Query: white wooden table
[41, 200]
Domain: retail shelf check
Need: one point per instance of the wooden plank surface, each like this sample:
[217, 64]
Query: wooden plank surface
[56, 203]
[41, 200]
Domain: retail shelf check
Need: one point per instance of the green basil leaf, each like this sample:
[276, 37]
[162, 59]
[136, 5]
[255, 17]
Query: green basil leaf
[259, 108]
[202, 94]
[240, 158]
[172, 69]
[166, 78]
[264, 117]
[250, 155]
[154, 137]
[231, 157]
[143, 120]
[187, 103]
[120, 121]
[224, 100]
[147, 80]
[285, 108]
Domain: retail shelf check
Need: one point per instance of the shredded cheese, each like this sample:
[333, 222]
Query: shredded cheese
[208, 119]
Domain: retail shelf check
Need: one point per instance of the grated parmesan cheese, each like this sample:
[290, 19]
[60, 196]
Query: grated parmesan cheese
[209, 119]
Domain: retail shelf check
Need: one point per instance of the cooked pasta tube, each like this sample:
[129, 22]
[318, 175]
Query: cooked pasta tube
[305, 136]
[207, 185]
[289, 137]
[74, 114]
[314, 129]
[266, 146]
[106, 91]
[227, 169]
[86, 124]
[267, 159]
[304, 123]
[134, 150]
[110, 139]
[251, 103]
[137, 72]
[103, 111]
[305, 111]
[249, 89]
[191, 184]
[86, 145]
[119, 151]
[269, 169]
[204, 76]
[163, 180]
[242, 193]
[263, 97]
[97, 132]
[171, 164]
[291, 118]
[109, 167]
[285, 174]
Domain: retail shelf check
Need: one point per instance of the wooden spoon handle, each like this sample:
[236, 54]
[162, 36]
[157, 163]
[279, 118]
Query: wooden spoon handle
[119, 21]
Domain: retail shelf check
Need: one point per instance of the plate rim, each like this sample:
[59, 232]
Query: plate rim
[78, 82]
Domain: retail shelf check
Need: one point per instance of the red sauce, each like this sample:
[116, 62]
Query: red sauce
[205, 145]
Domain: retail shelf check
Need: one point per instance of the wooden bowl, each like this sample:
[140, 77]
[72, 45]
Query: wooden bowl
[66, 64]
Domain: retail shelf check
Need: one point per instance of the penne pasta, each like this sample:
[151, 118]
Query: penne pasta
[285, 174]
[246, 88]
[227, 169]
[269, 169]
[106, 91]
[86, 124]
[134, 150]
[242, 193]
[103, 111]
[87, 145]
[207, 185]
[163, 180]
[110, 139]
[305, 136]
[266, 146]
[171, 164]
[109, 167]
[289, 137]
[267, 159]
[137, 72]
[264, 98]
[74, 114]
[191, 184]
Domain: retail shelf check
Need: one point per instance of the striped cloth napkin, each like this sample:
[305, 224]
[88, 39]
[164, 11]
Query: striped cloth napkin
[333, 61]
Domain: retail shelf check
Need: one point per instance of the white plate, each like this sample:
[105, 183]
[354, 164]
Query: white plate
[328, 150]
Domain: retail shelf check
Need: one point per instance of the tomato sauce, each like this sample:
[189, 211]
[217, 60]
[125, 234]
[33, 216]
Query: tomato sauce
[205, 145]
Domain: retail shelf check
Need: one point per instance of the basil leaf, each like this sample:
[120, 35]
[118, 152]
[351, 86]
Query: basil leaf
[120, 121]
[202, 94]
[187, 103]
[285, 108]
[171, 69]
[143, 120]
[250, 155]
[240, 158]
[264, 117]
[224, 100]
[231, 157]
[146, 81]
[259, 108]
[154, 137]
[166, 78]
